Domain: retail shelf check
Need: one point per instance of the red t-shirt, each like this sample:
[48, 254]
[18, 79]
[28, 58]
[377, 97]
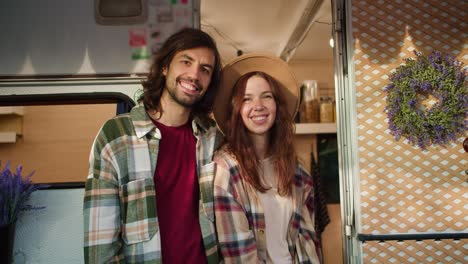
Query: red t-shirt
[177, 196]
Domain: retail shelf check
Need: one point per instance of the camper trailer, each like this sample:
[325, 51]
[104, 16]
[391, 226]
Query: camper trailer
[67, 66]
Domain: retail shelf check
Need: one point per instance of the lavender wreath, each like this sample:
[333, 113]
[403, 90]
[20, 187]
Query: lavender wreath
[427, 100]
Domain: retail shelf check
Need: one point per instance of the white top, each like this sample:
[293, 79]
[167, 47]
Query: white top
[278, 211]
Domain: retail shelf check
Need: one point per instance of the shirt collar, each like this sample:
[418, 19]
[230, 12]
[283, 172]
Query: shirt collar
[143, 124]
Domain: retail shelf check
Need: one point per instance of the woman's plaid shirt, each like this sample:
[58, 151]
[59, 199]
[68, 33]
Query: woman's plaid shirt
[240, 219]
[120, 217]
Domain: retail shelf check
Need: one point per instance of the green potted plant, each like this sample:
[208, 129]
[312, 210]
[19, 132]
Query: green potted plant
[15, 190]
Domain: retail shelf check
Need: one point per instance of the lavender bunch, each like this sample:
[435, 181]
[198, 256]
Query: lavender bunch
[15, 191]
[437, 75]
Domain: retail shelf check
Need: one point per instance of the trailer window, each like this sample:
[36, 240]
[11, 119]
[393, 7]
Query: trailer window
[54, 137]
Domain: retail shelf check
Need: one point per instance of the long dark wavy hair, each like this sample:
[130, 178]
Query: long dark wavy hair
[154, 85]
[280, 145]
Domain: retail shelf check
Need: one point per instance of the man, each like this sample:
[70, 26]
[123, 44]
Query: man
[149, 192]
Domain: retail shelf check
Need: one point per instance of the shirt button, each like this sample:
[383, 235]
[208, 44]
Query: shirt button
[261, 231]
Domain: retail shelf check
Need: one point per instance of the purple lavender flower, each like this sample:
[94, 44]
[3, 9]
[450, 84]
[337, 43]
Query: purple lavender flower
[412, 102]
[426, 86]
[15, 191]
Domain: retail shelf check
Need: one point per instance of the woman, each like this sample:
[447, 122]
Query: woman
[263, 197]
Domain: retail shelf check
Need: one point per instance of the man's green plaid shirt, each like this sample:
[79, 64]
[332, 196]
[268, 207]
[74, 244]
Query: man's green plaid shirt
[120, 217]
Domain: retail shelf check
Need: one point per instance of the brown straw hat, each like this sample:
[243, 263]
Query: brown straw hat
[273, 66]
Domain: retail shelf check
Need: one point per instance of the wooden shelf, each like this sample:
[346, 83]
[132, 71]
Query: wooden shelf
[315, 128]
[7, 137]
[12, 110]
[11, 123]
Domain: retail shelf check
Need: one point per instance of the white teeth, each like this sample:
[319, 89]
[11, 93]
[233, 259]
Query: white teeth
[188, 86]
[258, 118]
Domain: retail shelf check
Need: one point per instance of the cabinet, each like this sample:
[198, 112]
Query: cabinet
[306, 139]
[11, 123]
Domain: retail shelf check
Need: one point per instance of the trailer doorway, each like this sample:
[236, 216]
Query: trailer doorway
[401, 204]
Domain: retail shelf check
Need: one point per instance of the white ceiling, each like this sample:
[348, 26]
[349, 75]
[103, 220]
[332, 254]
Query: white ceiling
[270, 26]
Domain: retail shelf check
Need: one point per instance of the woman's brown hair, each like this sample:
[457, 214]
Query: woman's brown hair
[280, 145]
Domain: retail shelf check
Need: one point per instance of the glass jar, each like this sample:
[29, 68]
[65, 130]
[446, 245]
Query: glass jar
[326, 110]
[334, 108]
[310, 105]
